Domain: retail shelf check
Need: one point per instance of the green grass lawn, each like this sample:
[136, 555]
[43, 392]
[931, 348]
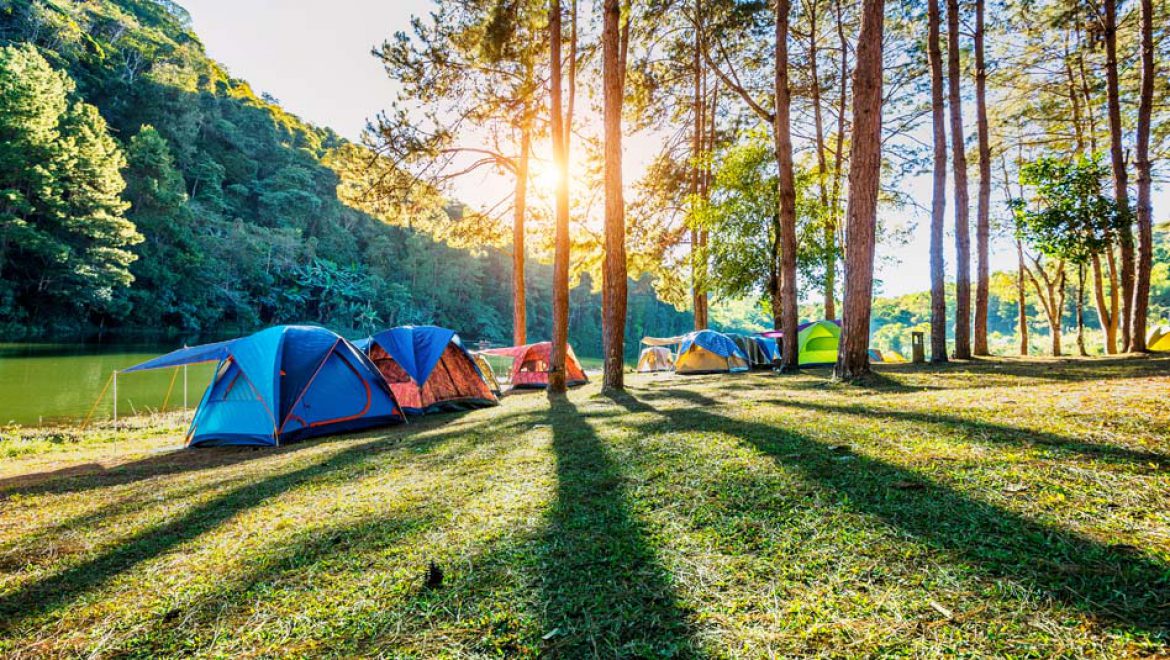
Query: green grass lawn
[1003, 508]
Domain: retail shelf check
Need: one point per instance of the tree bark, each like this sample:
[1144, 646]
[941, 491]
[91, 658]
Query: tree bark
[560, 302]
[1080, 309]
[1021, 293]
[519, 295]
[983, 214]
[938, 301]
[962, 202]
[614, 281]
[864, 176]
[698, 256]
[1106, 315]
[782, 131]
[1120, 176]
[1145, 259]
[828, 230]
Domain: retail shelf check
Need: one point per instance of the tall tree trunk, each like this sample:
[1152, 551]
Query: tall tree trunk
[1080, 307]
[1145, 262]
[614, 281]
[962, 203]
[1120, 176]
[698, 255]
[519, 295]
[560, 333]
[828, 230]
[983, 214]
[864, 177]
[839, 146]
[938, 204]
[1104, 313]
[1021, 293]
[782, 131]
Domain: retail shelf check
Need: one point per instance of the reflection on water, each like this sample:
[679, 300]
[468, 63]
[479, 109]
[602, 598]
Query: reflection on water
[43, 383]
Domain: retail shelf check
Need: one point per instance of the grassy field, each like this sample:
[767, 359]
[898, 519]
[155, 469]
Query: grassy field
[1000, 508]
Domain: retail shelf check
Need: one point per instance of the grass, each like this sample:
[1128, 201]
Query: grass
[999, 508]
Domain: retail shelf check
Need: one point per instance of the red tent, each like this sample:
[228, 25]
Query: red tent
[530, 365]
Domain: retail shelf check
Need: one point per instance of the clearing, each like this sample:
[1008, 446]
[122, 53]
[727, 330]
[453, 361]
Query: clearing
[1003, 507]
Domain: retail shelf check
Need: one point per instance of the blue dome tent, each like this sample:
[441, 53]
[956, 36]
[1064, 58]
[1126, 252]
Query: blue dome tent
[283, 384]
[428, 369]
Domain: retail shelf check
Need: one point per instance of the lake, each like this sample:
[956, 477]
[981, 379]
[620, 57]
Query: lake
[43, 383]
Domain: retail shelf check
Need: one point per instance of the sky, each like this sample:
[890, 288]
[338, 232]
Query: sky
[315, 58]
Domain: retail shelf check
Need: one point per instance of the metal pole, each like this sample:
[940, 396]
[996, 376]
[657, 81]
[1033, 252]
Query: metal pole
[115, 396]
[184, 387]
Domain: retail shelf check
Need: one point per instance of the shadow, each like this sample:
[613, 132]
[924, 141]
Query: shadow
[605, 594]
[688, 396]
[95, 475]
[986, 431]
[1118, 585]
[53, 591]
[628, 401]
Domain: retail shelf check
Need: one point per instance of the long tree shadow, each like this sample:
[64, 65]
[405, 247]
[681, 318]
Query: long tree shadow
[1117, 585]
[53, 591]
[95, 475]
[985, 431]
[605, 593]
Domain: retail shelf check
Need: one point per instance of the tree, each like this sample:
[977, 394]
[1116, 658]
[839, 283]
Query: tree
[938, 302]
[983, 213]
[1069, 220]
[1120, 174]
[614, 40]
[782, 131]
[864, 175]
[962, 203]
[1141, 292]
[561, 121]
[64, 241]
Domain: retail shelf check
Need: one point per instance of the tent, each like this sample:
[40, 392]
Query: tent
[283, 384]
[489, 374]
[894, 357]
[530, 365]
[707, 351]
[655, 358]
[760, 351]
[428, 369]
[1159, 339]
[876, 356]
[817, 342]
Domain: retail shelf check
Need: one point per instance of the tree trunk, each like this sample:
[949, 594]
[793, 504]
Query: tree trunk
[1145, 259]
[962, 203]
[1021, 292]
[983, 214]
[614, 281]
[938, 301]
[1120, 176]
[782, 131]
[519, 295]
[828, 230]
[1081, 311]
[1105, 314]
[864, 177]
[560, 302]
[698, 256]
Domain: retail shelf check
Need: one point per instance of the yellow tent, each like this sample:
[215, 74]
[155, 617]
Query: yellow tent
[894, 357]
[1159, 339]
[655, 358]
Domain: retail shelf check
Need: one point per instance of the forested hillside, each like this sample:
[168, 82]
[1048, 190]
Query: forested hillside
[219, 213]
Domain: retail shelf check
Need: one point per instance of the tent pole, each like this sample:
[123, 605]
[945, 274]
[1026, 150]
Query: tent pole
[184, 387]
[115, 396]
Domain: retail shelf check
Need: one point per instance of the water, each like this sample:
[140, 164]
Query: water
[60, 383]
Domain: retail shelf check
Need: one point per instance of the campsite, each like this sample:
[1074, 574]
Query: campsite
[584, 329]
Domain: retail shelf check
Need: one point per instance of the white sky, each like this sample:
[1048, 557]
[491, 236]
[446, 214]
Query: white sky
[314, 57]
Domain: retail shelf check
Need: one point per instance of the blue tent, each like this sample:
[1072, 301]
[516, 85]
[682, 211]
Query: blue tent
[428, 369]
[283, 384]
[707, 351]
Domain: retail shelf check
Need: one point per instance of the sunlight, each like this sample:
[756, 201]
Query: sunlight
[544, 176]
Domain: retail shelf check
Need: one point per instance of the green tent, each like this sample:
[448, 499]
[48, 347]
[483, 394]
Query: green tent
[817, 343]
